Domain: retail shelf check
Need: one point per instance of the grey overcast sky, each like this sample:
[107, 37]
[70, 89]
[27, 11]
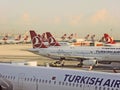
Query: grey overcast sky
[61, 16]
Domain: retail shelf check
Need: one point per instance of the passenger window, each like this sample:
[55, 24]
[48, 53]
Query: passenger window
[2, 76]
[77, 85]
[31, 79]
[34, 80]
[27, 79]
[104, 88]
[73, 84]
[80, 85]
[42, 81]
[39, 80]
[99, 88]
[49, 81]
[46, 81]
[112, 89]
[59, 83]
[62, 83]
[95, 87]
[69, 84]
[54, 82]
[13, 77]
[66, 83]
[8, 77]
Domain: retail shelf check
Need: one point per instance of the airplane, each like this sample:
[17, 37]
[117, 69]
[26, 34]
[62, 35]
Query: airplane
[53, 42]
[92, 38]
[44, 37]
[86, 37]
[3, 40]
[109, 41]
[18, 77]
[26, 39]
[16, 40]
[87, 55]
[64, 37]
[70, 37]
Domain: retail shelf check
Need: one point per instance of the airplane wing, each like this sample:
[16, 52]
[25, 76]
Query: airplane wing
[68, 57]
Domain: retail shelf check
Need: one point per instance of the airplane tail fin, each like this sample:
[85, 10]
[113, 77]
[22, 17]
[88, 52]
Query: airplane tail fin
[51, 40]
[71, 36]
[44, 37]
[101, 39]
[86, 37]
[5, 37]
[93, 37]
[18, 38]
[109, 39]
[26, 37]
[36, 40]
[64, 37]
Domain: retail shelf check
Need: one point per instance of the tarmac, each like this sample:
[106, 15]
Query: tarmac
[19, 53]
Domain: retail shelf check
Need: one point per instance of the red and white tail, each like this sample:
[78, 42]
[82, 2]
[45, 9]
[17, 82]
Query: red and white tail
[108, 39]
[5, 37]
[51, 40]
[36, 40]
[18, 38]
[44, 37]
[86, 37]
[71, 36]
[93, 37]
[64, 37]
[26, 37]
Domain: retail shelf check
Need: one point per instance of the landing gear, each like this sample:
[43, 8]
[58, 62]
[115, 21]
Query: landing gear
[81, 63]
[58, 63]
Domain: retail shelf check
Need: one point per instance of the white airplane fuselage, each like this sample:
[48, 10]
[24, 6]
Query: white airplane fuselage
[43, 78]
[98, 53]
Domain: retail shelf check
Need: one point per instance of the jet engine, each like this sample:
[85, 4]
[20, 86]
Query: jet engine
[89, 62]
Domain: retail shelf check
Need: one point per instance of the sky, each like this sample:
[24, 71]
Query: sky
[61, 16]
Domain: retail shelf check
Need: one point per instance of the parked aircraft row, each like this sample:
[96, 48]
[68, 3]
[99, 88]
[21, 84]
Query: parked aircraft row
[106, 40]
[64, 40]
[16, 77]
[87, 55]
[73, 37]
[16, 40]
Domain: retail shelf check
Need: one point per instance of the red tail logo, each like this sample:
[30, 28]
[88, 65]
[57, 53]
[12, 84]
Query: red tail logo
[51, 40]
[108, 39]
[36, 40]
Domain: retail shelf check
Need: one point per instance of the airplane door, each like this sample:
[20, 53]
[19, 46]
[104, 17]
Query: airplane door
[20, 81]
